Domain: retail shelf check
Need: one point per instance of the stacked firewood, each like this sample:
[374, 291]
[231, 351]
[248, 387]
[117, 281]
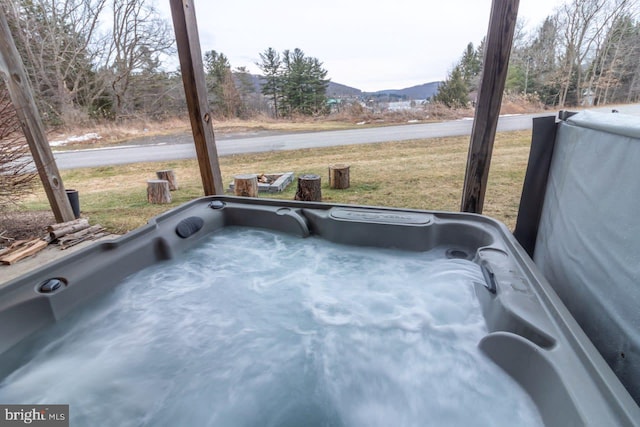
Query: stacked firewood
[64, 235]
[71, 233]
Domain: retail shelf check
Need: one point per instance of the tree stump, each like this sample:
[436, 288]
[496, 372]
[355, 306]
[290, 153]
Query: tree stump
[309, 189]
[245, 185]
[169, 176]
[158, 191]
[339, 176]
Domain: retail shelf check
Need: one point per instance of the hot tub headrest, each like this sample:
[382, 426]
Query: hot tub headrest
[189, 226]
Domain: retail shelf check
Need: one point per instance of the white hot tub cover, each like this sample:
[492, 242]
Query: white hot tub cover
[588, 243]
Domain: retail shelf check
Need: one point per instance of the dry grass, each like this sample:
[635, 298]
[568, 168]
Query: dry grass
[421, 174]
[111, 132]
[295, 124]
[351, 116]
[117, 133]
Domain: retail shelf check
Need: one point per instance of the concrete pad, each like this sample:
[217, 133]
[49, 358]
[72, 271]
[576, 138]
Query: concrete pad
[47, 255]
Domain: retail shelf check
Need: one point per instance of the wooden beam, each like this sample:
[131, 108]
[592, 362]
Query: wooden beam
[13, 73]
[186, 29]
[496, 61]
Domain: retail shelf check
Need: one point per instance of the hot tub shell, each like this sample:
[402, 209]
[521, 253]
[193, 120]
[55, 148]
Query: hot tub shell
[531, 335]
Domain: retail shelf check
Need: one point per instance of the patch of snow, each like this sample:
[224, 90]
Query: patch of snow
[413, 121]
[74, 138]
[509, 115]
[361, 123]
[415, 104]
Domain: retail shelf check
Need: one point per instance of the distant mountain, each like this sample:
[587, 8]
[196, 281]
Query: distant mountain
[423, 91]
[337, 90]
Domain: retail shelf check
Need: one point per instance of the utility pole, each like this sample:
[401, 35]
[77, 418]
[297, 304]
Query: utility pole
[13, 73]
[189, 52]
[496, 61]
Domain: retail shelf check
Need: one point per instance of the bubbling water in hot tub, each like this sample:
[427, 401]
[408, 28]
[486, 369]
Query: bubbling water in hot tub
[259, 328]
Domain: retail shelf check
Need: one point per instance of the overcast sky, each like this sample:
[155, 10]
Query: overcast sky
[365, 44]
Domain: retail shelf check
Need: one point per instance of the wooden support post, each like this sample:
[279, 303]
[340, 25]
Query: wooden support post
[245, 185]
[158, 191]
[169, 176]
[339, 176]
[496, 61]
[309, 188]
[186, 30]
[13, 73]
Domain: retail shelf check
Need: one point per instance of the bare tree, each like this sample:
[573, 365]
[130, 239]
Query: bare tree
[611, 63]
[17, 175]
[139, 36]
[584, 24]
[58, 41]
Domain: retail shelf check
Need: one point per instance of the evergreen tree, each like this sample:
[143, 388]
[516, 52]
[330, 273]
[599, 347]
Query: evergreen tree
[318, 86]
[270, 66]
[453, 92]
[225, 97]
[247, 91]
[296, 84]
[304, 83]
[471, 66]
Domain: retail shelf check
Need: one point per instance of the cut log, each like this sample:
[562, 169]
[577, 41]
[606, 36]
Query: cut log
[158, 191]
[60, 225]
[170, 177]
[339, 176]
[245, 185]
[73, 239]
[96, 236]
[58, 230]
[29, 248]
[309, 188]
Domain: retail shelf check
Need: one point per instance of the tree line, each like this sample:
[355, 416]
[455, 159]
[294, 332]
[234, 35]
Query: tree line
[93, 58]
[291, 83]
[102, 59]
[586, 53]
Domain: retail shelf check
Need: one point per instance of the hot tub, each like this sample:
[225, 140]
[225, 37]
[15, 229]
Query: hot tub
[528, 333]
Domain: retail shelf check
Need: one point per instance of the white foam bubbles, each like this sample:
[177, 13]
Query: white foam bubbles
[260, 328]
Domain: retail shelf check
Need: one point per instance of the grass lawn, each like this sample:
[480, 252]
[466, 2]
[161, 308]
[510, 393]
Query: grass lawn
[421, 174]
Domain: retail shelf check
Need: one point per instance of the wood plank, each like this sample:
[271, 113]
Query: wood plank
[12, 247]
[30, 248]
[186, 30]
[22, 97]
[496, 61]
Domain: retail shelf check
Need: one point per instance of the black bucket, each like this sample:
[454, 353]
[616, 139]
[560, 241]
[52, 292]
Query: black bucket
[74, 200]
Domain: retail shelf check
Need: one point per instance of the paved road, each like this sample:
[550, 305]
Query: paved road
[181, 147]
